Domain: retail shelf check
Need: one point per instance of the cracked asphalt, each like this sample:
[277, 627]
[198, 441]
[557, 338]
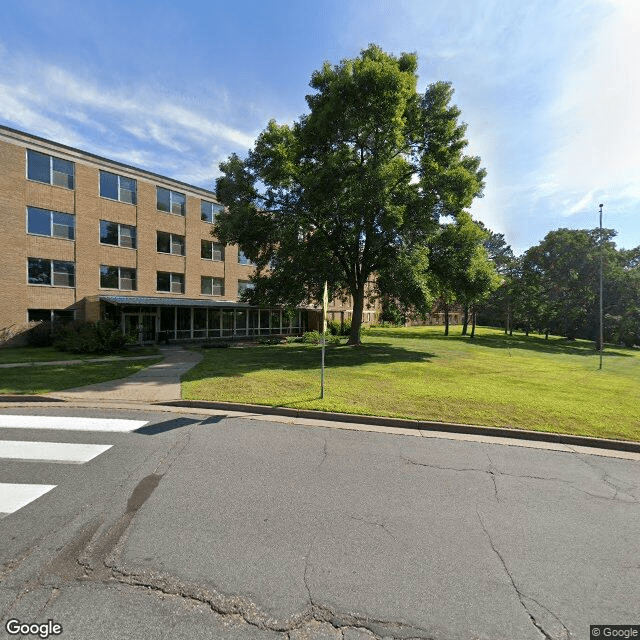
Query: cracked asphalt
[227, 527]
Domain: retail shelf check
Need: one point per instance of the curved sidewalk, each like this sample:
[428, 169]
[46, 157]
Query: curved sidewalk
[158, 383]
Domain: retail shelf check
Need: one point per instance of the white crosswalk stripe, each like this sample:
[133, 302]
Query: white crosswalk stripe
[15, 496]
[71, 424]
[65, 452]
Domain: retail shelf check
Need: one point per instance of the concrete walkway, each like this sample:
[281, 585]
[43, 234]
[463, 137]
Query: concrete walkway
[157, 383]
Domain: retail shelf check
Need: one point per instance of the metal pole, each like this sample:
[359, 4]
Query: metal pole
[322, 376]
[601, 251]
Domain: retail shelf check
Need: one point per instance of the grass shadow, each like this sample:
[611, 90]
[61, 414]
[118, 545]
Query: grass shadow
[229, 363]
[552, 345]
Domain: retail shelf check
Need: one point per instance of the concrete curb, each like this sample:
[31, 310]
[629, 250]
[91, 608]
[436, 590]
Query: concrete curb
[17, 398]
[447, 427]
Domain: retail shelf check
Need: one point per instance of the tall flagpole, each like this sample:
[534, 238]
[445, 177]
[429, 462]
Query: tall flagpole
[325, 304]
[601, 250]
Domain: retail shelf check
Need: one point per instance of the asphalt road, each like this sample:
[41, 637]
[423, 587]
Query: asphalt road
[196, 526]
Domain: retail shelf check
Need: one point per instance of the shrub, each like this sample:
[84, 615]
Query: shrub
[215, 345]
[268, 340]
[89, 337]
[39, 335]
[292, 339]
[336, 329]
[311, 337]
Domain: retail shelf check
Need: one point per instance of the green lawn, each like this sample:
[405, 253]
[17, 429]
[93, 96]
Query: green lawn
[417, 372]
[30, 380]
[47, 354]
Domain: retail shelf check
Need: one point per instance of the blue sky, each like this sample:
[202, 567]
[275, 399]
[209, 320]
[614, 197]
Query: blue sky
[550, 89]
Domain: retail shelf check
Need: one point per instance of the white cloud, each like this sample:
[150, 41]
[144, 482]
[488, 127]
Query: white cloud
[594, 122]
[126, 124]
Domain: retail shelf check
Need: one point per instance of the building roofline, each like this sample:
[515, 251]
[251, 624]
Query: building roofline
[104, 160]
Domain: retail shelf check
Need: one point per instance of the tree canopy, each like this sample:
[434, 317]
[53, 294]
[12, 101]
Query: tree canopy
[353, 191]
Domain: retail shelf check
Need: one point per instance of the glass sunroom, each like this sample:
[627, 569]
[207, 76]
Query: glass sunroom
[157, 319]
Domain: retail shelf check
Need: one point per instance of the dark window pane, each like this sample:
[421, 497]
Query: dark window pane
[214, 320]
[127, 279]
[178, 203]
[109, 277]
[39, 315]
[217, 252]
[205, 249]
[206, 212]
[64, 225]
[164, 242]
[199, 319]
[64, 274]
[164, 199]
[38, 167]
[177, 245]
[164, 281]
[205, 285]
[167, 319]
[177, 283]
[108, 232]
[108, 185]
[184, 319]
[62, 173]
[39, 271]
[38, 221]
[127, 190]
[127, 236]
[63, 317]
[227, 321]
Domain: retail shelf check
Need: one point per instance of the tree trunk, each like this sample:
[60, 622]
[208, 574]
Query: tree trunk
[473, 322]
[465, 320]
[356, 316]
[446, 318]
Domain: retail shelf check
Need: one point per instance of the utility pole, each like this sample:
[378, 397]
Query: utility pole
[601, 253]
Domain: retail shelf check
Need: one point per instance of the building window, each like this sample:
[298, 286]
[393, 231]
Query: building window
[242, 259]
[211, 286]
[170, 243]
[209, 211]
[171, 201]
[42, 222]
[119, 235]
[171, 282]
[54, 316]
[115, 187]
[49, 170]
[51, 272]
[117, 278]
[211, 250]
[244, 285]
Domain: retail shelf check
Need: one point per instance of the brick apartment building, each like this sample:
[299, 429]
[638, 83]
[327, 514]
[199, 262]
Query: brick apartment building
[89, 238]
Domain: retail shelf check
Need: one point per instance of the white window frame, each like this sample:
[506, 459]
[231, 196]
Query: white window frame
[52, 273]
[119, 198]
[171, 194]
[174, 278]
[212, 243]
[212, 278]
[51, 234]
[212, 205]
[171, 247]
[51, 182]
[120, 226]
[120, 278]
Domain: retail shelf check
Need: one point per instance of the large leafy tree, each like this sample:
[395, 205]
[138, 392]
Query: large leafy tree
[461, 267]
[353, 190]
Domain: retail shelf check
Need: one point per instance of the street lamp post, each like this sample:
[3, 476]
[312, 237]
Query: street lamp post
[601, 330]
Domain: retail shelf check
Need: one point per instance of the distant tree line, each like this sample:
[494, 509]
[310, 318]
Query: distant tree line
[554, 287]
